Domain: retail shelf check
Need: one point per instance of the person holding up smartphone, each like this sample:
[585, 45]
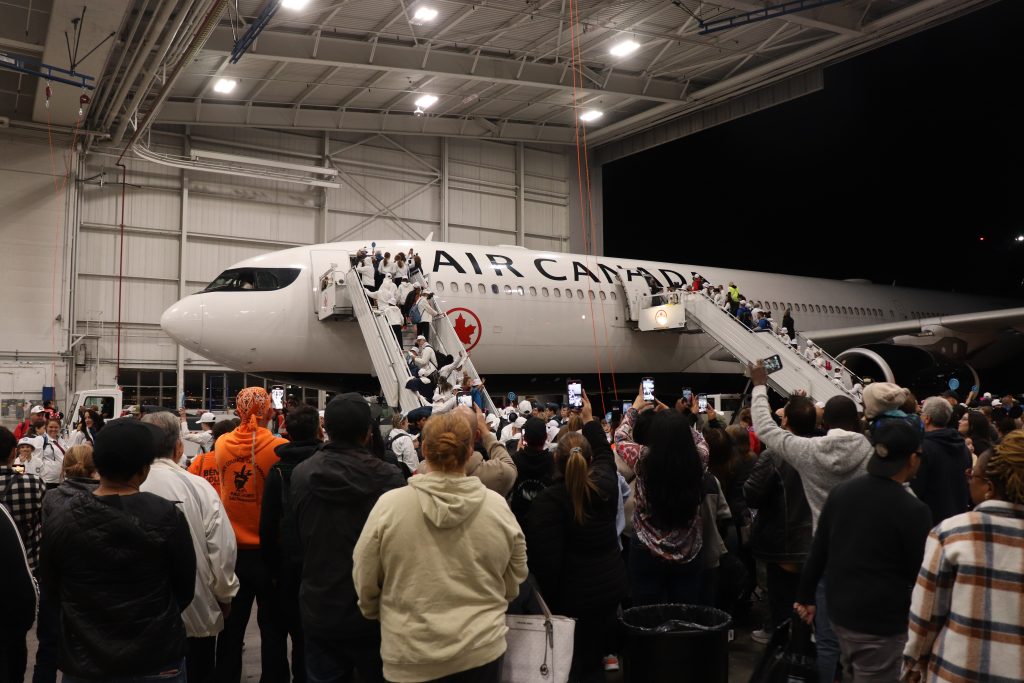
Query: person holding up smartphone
[578, 511]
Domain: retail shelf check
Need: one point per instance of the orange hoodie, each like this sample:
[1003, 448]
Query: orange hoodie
[243, 460]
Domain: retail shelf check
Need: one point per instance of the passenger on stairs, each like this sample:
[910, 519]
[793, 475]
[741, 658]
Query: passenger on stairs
[444, 397]
[423, 354]
[394, 318]
[406, 294]
[401, 266]
[364, 266]
[387, 290]
[787, 322]
[427, 312]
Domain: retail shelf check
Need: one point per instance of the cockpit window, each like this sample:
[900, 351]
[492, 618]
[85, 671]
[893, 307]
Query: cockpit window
[255, 279]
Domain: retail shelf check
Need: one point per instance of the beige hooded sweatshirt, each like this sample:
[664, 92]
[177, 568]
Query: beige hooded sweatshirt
[437, 563]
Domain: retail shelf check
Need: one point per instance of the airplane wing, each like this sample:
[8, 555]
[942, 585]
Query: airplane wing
[982, 321]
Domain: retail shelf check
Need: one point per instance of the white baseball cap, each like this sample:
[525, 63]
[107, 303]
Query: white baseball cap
[207, 417]
[520, 421]
[36, 409]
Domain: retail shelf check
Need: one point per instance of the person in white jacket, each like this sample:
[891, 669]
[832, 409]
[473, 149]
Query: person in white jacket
[444, 398]
[49, 458]
[423, 354]
[204, 437]
[402, 443]
[365, 270]
[387, 290]
[393, 316]
[212, 538]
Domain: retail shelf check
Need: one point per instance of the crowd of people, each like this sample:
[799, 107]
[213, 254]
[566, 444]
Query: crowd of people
[895, 531]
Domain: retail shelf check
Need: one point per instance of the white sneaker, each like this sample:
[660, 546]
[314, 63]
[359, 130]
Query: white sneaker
[611, 663]
[761, 635]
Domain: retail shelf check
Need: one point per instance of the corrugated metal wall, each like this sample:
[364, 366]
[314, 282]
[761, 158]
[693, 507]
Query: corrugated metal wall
[32, 260]
[390, 187]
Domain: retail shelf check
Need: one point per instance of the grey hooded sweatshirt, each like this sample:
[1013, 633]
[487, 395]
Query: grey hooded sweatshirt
[823, 462]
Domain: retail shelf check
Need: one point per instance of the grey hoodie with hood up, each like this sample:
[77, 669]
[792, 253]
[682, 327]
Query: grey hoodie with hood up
[823, 462]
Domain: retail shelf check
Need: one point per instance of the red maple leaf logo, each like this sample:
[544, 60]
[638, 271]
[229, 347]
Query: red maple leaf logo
[464, 331]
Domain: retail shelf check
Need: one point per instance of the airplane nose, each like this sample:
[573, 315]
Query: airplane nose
[183, 321]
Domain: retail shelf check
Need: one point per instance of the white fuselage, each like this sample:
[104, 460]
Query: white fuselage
[531, 312]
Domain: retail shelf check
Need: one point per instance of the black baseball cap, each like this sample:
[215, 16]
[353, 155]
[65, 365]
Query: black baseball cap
[535, 432]
[347, 413]
[895, 441]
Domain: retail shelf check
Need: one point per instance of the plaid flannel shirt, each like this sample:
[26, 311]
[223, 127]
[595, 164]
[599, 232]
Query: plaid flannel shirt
[965, 615]
[24, 500]
[676, 545]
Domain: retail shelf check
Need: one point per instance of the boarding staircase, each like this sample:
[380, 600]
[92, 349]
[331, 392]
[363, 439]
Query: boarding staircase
[388, 359]
[344, 298]
[748, 346]
[695, 312]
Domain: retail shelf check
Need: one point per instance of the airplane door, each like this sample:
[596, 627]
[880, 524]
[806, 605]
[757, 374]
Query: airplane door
[636, 293]
[322, 261]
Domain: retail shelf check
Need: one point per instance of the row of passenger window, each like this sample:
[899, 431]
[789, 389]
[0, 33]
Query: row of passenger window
[831, 310]
[519, 290]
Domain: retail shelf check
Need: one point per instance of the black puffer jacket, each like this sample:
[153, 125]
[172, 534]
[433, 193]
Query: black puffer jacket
[579, 566]
[61, 496]
[124, 569]
[782, 528]
[332, 494]
[535, 471]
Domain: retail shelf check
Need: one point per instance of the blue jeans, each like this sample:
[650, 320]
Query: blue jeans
[172, 673]
[825, 639]
[333, 660]
[654, 581]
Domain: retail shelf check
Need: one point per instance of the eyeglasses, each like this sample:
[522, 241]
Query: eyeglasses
[971, 476]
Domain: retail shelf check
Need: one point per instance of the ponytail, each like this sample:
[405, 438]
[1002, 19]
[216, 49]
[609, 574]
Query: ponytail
[573, 458]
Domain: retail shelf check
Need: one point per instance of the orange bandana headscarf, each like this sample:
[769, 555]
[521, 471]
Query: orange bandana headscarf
[251, 406]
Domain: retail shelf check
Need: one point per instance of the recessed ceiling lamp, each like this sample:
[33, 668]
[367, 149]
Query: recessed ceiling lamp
[626, 47]
[294, 4]
[425, 14]
[591, 115]
[426, 101]
[225, 85]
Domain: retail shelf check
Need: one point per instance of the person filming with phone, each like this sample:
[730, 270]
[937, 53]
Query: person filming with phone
[571, 543]
[669, 457]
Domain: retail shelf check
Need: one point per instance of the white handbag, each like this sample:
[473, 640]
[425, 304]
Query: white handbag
[539, 647]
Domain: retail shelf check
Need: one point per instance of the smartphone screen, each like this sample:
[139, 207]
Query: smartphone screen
[772, 364]
[276, 394]
[648, 388]
[702, 403]
[466, 400]
[575, 393]
[687, 394]
[626, 405]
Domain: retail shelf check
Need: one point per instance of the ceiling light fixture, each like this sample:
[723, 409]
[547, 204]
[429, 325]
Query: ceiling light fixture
[591, 115]
[626, 47]
[425, 14]
[294, 4]
[225, 85]
[426, 101]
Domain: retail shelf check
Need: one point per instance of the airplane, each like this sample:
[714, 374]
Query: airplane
[536, 317]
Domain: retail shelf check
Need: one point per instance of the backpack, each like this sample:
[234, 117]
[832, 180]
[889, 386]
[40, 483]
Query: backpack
[443, 358]
[415, 315]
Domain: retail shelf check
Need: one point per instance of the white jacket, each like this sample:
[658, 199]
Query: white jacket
[426, 358]
[365, 270]
[401, 444]
[204, 438]
[403, 292]
[212, 538]
[427, 310]
[48, 459]
[443, 402]
[392, 314]
[387, 290]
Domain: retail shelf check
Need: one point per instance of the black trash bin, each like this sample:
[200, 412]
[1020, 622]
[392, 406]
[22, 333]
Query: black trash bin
[665, 643]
